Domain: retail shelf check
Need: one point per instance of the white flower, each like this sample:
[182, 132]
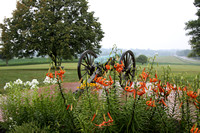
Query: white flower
[49, 80]
[8, 85]
[54, 81]
[34, 86]
[27, 83]
[46, 80]
[18, 81]
[34, 82]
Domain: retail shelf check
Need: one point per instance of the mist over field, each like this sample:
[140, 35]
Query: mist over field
[149, 52]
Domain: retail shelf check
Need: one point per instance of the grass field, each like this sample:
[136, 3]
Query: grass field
[28, 61]
[38, 71]
[173, 60]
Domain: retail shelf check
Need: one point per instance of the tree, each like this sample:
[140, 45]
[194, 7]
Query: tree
[185, 52]
[194, 30]
[58, 28]
[6, 52]
[142, 59]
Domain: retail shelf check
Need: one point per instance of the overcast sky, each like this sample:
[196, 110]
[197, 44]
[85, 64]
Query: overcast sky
[142, 24]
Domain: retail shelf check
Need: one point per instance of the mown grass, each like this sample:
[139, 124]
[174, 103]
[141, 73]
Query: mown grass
[173, 60]
[29, 61]
[68, 66]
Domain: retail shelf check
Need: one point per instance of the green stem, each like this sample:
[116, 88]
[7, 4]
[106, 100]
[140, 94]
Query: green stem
[133, 115]
[188, 115]
[64, 100]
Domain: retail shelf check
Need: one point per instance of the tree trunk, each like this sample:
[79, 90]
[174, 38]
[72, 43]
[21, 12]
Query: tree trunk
[55, 61]
[6, 62]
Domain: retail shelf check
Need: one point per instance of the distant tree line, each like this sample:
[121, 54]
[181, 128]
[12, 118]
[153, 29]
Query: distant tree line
[185, 52]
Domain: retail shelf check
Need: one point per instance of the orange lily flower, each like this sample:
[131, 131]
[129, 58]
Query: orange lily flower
[185, 89]
[106, 122]
[103, 81]
[167, 93]
[174, 88]
[160, 88]
[163, 102]
[67, 107]
[151, 103]
[154, 79]
[108, 67]
[194, 129]
[134, 93]
[60, 74]
[93, 117]
[129, 88]
[119, 67]
[143, 85]
[144, 75]
[196, 105]
[56, 73]
[180, 105]
[140, 93]
[50, 75]
[192, 94]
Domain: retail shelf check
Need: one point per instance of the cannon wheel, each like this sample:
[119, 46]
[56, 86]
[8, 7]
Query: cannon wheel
[86, 64]
[128, 72]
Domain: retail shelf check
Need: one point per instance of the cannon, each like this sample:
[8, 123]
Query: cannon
[89, 65]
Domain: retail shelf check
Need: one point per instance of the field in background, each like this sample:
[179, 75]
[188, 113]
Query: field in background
[28, 61]
[175, 60]
[28, 71]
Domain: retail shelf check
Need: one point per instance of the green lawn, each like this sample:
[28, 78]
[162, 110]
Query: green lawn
[175, 61]
[67, 66]
[38, 71]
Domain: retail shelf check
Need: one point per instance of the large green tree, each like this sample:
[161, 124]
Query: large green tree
[6, 48]
[58, 28]
[193, 28]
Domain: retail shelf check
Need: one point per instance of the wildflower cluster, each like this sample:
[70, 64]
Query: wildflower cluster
[119, 67]
[194, 129]
[58, 75]
[103, 81]
[20, 84]
[84, 85]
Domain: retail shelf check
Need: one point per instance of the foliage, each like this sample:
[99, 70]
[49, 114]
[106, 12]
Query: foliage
[60, 29]
[192, 54]
[6, 51]
[142, 59]
[28, 128]
[168, 104]
[193, 27]
[185, 52]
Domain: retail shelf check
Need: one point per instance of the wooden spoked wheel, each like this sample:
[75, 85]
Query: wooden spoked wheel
[128, 73]
[86, 65]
